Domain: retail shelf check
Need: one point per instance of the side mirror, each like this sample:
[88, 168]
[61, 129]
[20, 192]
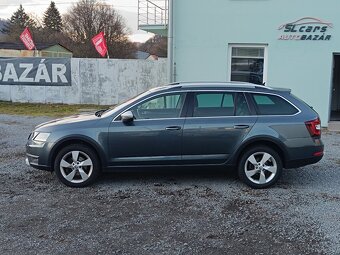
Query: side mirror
[127, 116]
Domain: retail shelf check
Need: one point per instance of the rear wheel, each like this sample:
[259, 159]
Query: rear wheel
[77, 165]
[260, 167]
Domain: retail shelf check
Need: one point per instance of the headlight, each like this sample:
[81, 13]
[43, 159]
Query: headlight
[40, 137]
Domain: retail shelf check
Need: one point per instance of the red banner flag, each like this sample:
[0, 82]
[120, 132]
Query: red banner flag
[26, 38]
[99, 43]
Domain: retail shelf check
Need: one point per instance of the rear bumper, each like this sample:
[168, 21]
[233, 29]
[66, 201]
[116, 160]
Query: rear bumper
[303, 162]
[308, 152]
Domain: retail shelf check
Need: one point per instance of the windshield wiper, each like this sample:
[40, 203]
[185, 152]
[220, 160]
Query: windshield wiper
[100, 112]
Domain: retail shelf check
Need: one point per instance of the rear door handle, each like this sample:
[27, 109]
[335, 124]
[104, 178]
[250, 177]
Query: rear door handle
[173, 128]
[241, 126]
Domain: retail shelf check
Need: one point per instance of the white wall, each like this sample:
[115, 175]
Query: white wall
[95, 81]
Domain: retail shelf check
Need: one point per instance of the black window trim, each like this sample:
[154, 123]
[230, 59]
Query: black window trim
[182, 111]
[192, 99]
[249, 99]
[251, 93]
[251, 104]
[189, 96]
[248, 105]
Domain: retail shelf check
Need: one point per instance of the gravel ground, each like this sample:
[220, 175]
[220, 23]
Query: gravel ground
[198, 211]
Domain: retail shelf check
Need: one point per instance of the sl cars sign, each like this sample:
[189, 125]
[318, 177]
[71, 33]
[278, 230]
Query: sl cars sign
[306, 29]
[35, 71]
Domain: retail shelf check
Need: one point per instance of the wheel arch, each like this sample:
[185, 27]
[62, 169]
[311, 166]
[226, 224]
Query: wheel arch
[275, 144]
[76, 140]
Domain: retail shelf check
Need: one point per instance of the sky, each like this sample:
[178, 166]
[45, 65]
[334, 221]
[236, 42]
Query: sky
[127, 8]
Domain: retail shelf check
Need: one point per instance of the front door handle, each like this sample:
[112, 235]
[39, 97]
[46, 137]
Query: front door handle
[241, 126]
[173, 128]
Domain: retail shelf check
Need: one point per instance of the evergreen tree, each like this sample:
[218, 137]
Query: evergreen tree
[16, 24]
[18, 21]
[52, 18]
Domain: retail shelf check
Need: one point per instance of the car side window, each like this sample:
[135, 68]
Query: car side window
[241, 105]
[161, 107]
[273, 105]
[213, 104]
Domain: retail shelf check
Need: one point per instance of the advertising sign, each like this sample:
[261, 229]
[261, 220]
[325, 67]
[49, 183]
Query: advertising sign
[306, 29]
[35, 71]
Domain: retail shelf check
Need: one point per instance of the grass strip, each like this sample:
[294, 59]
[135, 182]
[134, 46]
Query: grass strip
[50, 110]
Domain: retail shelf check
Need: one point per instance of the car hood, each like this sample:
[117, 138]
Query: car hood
[80, 118]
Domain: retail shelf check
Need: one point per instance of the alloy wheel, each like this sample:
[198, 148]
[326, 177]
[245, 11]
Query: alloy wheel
[260, 167]
[76, 166]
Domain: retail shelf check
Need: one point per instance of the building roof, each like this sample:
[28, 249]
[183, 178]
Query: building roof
[141, 55]
[21, 46]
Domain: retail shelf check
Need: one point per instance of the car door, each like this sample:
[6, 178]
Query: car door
[216, 124]
[154, 137]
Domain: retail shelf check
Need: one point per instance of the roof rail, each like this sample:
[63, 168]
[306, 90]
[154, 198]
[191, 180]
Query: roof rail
[224, 84]
[281, 89]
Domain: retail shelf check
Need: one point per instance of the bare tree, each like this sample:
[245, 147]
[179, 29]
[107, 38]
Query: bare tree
[89, 17]
[36, 19]
[157, 45]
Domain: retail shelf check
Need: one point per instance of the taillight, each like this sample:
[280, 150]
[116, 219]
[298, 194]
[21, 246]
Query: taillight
[314, 127]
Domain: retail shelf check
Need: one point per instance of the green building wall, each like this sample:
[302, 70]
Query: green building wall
[203, 31]
[56, 51]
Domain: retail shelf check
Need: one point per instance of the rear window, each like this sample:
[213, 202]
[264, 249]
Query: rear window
[273, 105]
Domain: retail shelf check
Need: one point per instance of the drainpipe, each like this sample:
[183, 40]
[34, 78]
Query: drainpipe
[171, 74]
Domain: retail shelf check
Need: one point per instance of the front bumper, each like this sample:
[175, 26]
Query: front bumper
[30, 161]
[37, 156]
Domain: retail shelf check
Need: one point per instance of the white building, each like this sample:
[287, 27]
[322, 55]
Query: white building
[292, 44]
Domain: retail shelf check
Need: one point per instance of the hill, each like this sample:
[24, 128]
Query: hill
[2, 24]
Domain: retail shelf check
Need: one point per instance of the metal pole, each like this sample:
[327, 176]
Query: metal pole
[166, 12]
[147, 12]
[138, 22]
[171, 74]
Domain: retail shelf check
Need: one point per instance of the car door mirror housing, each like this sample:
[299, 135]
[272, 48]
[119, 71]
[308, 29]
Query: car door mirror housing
[127, 116]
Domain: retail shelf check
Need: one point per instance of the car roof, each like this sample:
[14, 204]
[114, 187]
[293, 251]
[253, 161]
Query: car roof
[237, 86]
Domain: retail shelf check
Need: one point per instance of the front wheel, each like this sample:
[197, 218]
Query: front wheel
[260, 167]
[77, 165]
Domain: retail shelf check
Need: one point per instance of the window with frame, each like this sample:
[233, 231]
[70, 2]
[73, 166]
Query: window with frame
[247, 64]
[241, 105]
[160, 107]
[213, 104]
[273, 105]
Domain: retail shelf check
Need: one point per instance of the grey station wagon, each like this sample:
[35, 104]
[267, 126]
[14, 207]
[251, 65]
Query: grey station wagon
[255, 129]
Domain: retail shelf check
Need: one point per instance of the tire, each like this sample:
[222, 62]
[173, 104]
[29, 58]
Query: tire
[260, 167]
[77, 166]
